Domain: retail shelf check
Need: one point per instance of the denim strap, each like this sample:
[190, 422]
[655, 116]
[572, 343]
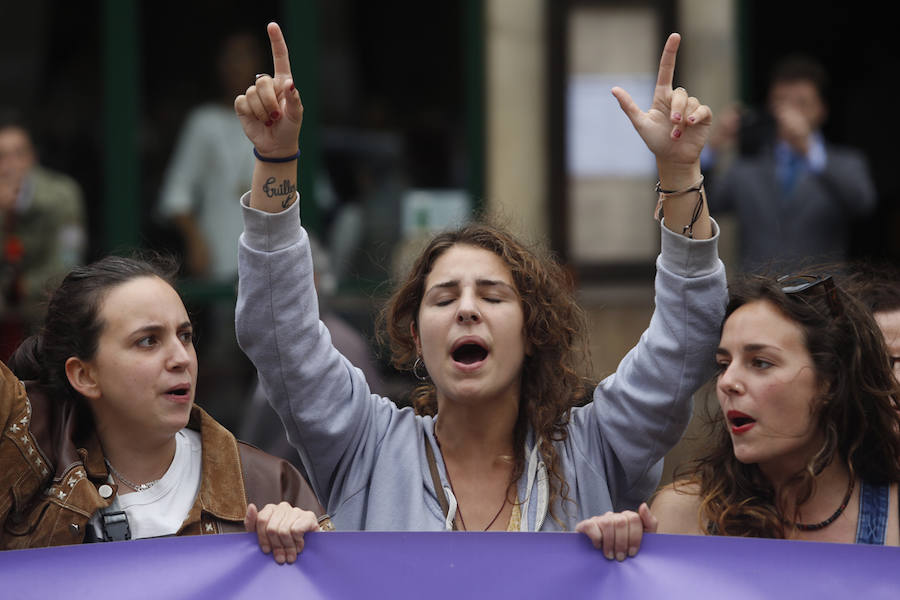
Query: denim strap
[873, 514]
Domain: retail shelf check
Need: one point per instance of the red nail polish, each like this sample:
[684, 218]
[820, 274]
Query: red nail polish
[292, 87]
[677, 116]
[692, 119]
[269, 123]
[275, 114]
[676, 134]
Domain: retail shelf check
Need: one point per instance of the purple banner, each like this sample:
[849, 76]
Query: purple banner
[453, 565]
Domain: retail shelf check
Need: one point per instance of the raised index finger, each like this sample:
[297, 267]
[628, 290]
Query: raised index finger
[666, 61]
[279, 50]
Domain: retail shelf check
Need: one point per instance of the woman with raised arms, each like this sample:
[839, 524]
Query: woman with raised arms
[492, 327]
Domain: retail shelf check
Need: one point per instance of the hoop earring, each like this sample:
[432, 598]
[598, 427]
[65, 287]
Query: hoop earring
[415, 369]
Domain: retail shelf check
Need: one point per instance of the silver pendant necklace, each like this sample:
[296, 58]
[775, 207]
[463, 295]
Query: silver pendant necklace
[138, 487]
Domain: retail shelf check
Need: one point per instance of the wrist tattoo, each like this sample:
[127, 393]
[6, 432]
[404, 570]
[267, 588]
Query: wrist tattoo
[285, 188]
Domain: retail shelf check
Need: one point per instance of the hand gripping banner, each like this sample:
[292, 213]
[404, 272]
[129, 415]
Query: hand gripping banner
[453, 565]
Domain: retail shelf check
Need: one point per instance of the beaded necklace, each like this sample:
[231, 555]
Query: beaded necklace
[829, 520]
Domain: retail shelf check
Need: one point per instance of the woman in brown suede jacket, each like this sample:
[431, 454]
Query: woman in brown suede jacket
[101, 438]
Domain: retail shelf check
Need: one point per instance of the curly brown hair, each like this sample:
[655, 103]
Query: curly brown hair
[858, 415]
[552, 375]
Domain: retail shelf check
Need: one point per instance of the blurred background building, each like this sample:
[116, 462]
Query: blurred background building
[423, 114]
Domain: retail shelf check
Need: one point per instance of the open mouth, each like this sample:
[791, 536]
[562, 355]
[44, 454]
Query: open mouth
[469, 353]
[739, 421]
[180, 390]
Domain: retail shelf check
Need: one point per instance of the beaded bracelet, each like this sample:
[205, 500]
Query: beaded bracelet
[283, 159]
[687, 230]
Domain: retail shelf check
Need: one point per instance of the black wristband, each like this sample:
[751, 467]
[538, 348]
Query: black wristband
[282, 159]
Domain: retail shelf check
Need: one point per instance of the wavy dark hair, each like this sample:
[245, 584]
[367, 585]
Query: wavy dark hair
[72, 325]
[876, 285]
[858, 415]
[552, 375]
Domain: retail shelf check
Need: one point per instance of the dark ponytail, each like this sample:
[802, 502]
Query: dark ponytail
[25, 361]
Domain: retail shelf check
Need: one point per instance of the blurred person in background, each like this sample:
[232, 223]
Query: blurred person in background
[878, 287]
[210, 162]
[795, 195]
[42, 231]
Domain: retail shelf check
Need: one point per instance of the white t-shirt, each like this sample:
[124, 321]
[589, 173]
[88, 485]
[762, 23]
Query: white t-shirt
[163, 508]
[212, 163]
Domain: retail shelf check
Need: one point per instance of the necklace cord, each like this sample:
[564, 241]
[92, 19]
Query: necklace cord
[462, 521]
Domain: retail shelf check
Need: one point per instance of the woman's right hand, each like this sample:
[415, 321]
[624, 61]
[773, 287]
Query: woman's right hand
[270, 110]
[619, 534]
[271, 114]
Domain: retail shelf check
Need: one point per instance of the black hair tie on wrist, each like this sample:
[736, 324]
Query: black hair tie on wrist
[282, 159]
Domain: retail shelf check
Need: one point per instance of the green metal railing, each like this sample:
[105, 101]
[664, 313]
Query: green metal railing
[301, 31]
[121, 110]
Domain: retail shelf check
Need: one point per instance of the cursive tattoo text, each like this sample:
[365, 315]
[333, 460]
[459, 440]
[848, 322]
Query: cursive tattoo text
[285, 188]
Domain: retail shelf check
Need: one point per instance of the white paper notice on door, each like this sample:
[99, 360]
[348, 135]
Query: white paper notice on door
[600, 139]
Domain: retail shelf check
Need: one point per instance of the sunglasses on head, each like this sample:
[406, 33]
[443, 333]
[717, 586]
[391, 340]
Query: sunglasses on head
[803, 284]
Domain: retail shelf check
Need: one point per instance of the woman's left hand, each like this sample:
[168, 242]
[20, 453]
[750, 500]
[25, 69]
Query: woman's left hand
[676, 126]
[619, 534]
[280, 528]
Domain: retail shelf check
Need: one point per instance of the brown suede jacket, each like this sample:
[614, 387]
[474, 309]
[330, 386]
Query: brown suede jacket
[53, 480]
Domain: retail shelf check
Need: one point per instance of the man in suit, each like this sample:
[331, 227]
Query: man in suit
[796, 195]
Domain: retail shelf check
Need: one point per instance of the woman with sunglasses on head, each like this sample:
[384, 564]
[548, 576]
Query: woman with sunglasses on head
[103, 442]
[494, 332]
[806, 441]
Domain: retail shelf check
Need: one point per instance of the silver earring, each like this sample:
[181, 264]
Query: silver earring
[415, 369]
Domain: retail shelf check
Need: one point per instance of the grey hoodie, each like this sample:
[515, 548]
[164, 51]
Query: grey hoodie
[366, 457]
